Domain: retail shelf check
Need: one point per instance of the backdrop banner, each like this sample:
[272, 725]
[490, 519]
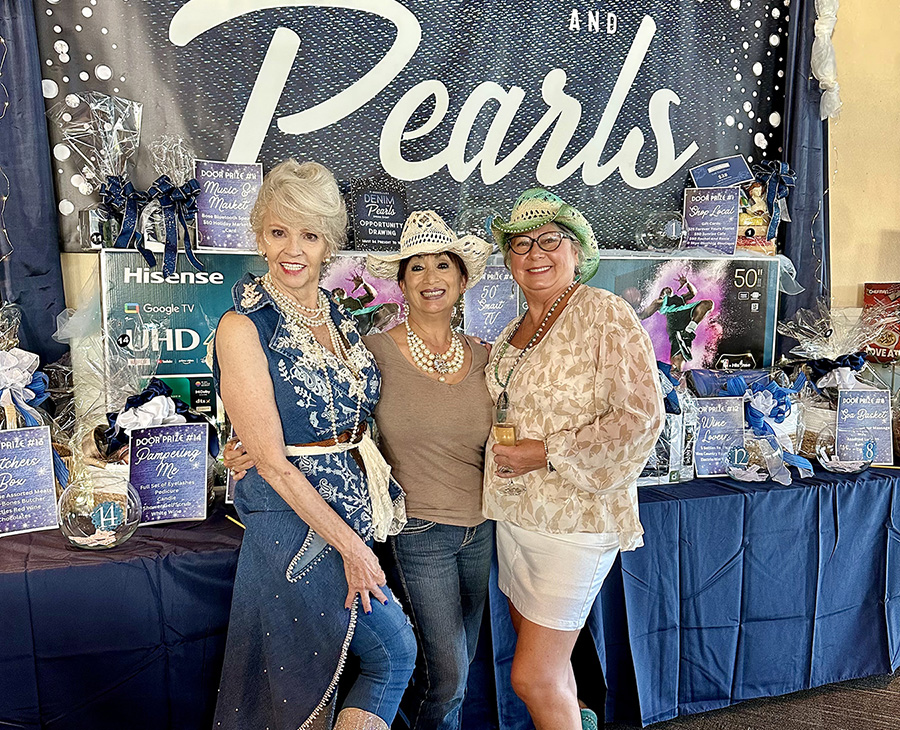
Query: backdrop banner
[467, 102]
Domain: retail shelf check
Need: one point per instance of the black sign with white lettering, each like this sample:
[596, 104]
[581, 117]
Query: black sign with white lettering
[378, 210]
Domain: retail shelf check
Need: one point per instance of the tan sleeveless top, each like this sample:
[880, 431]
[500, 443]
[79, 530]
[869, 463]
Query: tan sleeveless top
[433, 434]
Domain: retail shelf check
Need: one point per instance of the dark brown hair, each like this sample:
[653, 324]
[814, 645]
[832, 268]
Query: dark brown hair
[401, 271]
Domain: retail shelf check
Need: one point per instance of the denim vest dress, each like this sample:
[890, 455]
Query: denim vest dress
[289, 632]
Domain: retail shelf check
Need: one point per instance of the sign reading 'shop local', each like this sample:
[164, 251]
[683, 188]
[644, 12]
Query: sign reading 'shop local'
[711, 218]
[27, 489]
[168, 468]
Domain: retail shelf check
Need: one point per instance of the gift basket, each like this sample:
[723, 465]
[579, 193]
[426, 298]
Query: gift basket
[104, 132]
[830, 353]
[763, 205]
[24, 392]
[771, 416]
[116, 393]
[672, 459]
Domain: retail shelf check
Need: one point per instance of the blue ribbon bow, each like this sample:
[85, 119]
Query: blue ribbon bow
[179, 205]
[821, 367]
[737, 386]
[116, 439]
[778, 179]
[121, 200]
[670, 400]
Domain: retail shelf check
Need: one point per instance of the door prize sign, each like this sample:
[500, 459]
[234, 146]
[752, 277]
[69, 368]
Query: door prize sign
[27, 489]
[711, 218]
[227, 193]
[864, 427]
[168, 468]
[378, 211]
[491, 304]
[720, 429]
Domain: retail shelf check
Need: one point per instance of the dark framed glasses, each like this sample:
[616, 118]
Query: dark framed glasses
[521, 244]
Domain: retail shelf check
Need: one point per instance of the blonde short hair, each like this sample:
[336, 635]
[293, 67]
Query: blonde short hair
[303, 195]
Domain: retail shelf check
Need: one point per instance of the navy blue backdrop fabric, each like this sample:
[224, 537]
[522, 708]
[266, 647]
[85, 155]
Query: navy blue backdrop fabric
[31, 275]
[806, 238]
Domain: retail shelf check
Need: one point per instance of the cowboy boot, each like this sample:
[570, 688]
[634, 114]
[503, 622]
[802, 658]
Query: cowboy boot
[351, 718]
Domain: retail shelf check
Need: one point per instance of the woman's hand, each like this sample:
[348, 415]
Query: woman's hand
[514, 461]
[364, 575]
[236, 458]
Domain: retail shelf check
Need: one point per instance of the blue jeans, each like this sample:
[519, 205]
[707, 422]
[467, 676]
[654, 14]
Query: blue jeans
[386, 647]
[443, 571]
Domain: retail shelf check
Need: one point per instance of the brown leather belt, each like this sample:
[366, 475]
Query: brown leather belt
[355, 435]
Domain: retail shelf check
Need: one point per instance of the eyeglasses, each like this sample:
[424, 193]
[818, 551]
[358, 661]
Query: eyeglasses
[549, 241]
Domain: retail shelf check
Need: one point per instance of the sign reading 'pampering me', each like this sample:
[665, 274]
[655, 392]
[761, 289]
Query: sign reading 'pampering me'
[168, 468]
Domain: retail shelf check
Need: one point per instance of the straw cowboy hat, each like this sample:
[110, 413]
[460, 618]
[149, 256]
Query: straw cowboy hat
[537, 207]
[426, 233]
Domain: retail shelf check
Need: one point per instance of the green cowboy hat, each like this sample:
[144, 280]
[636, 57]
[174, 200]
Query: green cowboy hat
[537, 207]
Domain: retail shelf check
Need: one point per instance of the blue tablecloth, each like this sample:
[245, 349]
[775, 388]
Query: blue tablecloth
[742, 591]
[131, 637]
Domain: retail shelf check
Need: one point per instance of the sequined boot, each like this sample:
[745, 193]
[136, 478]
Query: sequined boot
[350, 718]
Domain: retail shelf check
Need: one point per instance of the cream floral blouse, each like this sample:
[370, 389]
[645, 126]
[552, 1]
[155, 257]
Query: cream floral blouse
[590, 388]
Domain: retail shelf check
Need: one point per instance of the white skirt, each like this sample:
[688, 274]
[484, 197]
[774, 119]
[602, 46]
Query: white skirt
[553, 580]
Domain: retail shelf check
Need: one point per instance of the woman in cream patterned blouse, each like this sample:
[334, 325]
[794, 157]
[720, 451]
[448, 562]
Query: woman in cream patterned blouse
[576, 377]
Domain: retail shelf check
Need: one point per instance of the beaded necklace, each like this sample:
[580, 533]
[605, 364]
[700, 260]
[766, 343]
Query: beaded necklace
[299, 326]
[503, 399]
[446, 364]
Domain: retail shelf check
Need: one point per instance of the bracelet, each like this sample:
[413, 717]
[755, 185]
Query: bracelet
[547, 457]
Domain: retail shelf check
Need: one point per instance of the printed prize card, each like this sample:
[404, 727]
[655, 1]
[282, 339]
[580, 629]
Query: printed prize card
[720, 428]
[168, 468]
[27, 488]
[711, 218]
[227, 193]
[864, 426]
[491, 304]
[721, 173]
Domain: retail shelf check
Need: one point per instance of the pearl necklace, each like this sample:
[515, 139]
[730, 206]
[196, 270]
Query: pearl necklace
[534, 339]
[309, 316]
[448, 363]
[298, 325]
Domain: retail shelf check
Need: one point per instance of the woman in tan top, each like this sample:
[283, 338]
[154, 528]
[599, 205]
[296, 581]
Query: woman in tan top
[576, 376]
[434, 417]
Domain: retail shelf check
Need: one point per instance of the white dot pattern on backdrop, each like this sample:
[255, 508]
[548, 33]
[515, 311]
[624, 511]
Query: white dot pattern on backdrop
[710, 70]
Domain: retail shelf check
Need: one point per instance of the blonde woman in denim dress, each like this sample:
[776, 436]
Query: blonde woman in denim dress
[298, 385]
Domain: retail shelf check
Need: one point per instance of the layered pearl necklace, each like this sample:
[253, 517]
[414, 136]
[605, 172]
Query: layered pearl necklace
[443, 364]
[299, 321]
